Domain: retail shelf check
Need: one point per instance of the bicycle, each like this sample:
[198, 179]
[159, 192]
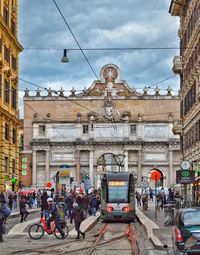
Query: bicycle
[37, 230]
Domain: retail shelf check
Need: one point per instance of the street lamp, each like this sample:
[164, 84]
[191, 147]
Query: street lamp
[64, 58]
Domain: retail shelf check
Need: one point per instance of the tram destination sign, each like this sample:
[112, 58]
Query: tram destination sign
[185, 176]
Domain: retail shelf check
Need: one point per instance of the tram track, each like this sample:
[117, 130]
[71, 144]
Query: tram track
[129, 233]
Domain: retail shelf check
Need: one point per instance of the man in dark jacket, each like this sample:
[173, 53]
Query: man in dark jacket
[78, 217]
[22, 207]
[44, 205]
[53, 215]
[69, 203]
[93, 204]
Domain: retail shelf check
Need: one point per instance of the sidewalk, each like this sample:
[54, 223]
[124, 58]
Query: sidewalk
[157, 232]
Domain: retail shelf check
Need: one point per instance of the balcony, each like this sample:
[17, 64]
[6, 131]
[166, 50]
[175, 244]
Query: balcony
[177, 65]
[176, 7]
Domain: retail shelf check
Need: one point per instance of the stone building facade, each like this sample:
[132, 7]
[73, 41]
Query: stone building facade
[187, 65]
[9, 122]
[108, 117]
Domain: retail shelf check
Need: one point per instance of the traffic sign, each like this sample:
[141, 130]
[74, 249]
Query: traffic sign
[185, 176]
[49, 185]
[155, 175]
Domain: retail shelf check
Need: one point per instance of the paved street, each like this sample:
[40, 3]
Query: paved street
[18, 241]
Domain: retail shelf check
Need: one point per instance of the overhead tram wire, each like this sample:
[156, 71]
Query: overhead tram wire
[102, 49]
[76, 40]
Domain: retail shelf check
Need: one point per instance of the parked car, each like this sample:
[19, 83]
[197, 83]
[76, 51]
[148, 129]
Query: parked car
[186, 224]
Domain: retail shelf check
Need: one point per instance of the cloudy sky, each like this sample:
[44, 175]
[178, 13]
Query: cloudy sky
[96, 24]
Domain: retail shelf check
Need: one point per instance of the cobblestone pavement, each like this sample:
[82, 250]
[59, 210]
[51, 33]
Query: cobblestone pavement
[49, 245]
[164, 233]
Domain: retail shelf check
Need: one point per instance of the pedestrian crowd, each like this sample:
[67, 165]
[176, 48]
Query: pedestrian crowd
[173, 196]
[76, 206]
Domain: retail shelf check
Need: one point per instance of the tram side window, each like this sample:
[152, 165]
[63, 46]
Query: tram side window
[118, 192]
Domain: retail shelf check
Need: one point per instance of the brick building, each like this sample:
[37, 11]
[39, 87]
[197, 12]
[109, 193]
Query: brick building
[109, 116]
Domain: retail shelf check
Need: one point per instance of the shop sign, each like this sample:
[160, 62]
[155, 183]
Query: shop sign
[185, 176]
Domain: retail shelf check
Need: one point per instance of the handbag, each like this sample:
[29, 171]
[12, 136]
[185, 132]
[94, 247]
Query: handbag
[6, 211]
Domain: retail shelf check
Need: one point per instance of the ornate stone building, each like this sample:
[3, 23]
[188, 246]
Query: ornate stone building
[188, 66]
[108, 117]
[9, 122]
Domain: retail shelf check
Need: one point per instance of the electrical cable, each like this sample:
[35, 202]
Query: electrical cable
[76, 40]
[103, 49]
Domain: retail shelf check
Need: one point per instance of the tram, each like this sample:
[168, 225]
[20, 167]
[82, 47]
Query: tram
[118, 197]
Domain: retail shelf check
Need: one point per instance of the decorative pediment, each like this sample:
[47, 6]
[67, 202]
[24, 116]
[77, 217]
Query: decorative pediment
[110, 84]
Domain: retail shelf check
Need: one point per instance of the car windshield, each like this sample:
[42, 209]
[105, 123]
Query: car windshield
[191, 218]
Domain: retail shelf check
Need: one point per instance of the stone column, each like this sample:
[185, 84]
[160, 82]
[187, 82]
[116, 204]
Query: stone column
[47, 179]
[34, 171]
[139, 173]
[171, 172]
[78, 166]
[126, 161]
[91, 167]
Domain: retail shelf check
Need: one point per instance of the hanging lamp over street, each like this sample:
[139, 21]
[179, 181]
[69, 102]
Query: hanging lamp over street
[64, 58]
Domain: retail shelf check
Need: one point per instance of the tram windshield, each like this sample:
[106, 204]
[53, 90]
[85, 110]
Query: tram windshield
[118, 192]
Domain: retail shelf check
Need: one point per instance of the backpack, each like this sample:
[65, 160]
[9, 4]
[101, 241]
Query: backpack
[6, 211]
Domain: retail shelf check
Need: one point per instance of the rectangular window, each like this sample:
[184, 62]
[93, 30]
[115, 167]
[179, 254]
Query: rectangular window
[14, 98]
[7, 54]
[13, 166]
[85, 129]
[13, 27]
[14, 136]
[41, 129]
[133, 129]
[6, 15]
[7, 92]
[6, 131]
[6, 165]
[14, 63]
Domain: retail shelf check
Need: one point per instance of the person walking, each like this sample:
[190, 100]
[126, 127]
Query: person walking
[2, 218]
[44, 205]
[22, 208]
[78, 217]
[151, 194]
[10, 201]
[93, 205]
[138, 198]
[2, 198]
[69, 203]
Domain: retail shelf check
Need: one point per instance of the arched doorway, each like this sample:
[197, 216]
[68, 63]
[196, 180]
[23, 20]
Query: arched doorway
[108, 162]
[160, 183]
